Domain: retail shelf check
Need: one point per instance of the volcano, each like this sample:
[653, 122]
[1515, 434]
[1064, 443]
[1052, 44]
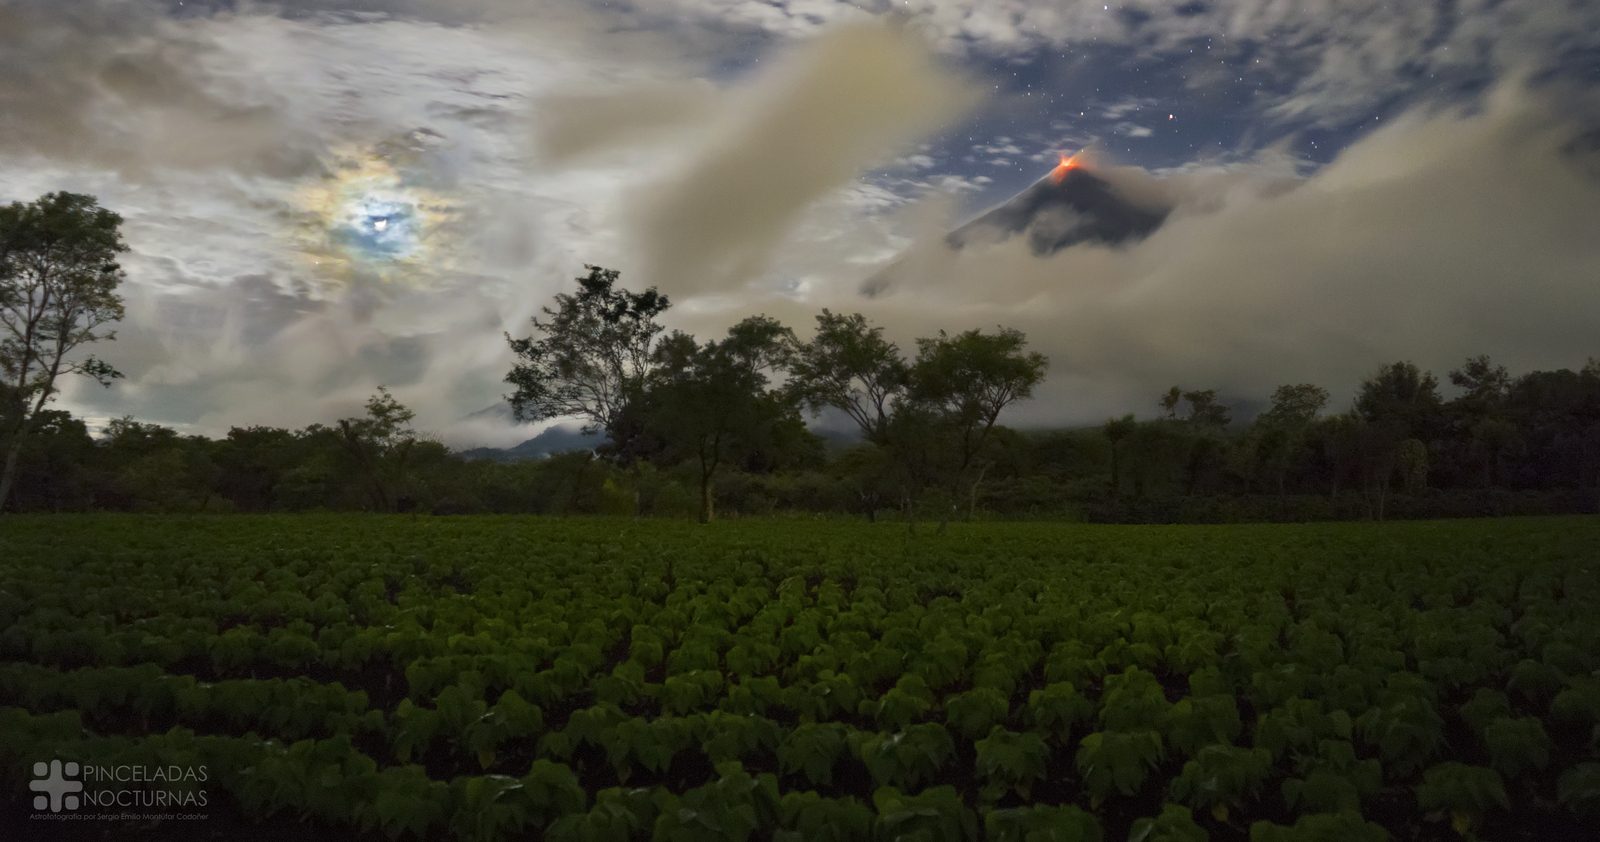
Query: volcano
[1071, 205]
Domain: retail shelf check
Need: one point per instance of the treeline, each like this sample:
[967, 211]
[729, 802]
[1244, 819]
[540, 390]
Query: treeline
[695, 429]
[1524, 445]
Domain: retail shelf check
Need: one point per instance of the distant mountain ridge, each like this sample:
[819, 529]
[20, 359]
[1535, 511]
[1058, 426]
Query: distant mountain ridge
[551, 441]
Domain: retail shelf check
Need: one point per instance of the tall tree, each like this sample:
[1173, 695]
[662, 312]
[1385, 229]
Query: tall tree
[1404, 398]
[1116, 430]
[380, 444]
[713, 404]
[1282, 430]
[1169, 403]
[1478, 413]
[849, 366]
[58, 290]
[968, 380]
[1204, 408]
[1400, 404]
[933, 415]
[591, 357]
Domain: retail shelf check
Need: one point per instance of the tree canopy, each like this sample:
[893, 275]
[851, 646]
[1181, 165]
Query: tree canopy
[591, 355]
[58, 290]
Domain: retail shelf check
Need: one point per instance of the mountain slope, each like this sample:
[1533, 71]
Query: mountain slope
[1071, 205]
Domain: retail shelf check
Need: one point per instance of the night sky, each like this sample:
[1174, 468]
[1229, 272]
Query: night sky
[322, 197]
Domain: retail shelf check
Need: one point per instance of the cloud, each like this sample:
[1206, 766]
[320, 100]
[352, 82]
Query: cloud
[1435, 237]
[231, 320]
[580, 125]
[842, 103]
[1439, 236]
[118, 85]
[1322, 62]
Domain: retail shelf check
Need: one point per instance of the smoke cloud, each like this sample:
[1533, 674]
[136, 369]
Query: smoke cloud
[842, 103]
[1440, 236]
[117, 85]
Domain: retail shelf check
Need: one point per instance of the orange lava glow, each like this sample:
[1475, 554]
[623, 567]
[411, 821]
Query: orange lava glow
[1066, 165]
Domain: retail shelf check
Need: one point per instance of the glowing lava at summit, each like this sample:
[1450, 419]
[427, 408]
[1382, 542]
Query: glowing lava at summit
[1068, 163]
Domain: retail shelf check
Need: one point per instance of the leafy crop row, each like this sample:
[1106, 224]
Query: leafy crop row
[487, 679]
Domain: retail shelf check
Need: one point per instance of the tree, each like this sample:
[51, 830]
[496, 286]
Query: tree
[712, 403]
[592, 358]
[1296, 406]
[968, 380]
[934, 415]
[1282, 430]
[1479, 412]
[1403, 398]
[1169, 403]
[1204, 409]
[1116, 430]
[58, 290]
[380, 445]
[849, 366]
[1399, 404]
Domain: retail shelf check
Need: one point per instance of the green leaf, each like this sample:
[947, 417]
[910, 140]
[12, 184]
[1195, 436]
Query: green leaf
[1118, 761]
[1175, 824]
[1009, 761]
[934, 815]
[813, 749]
[1042, 823]
[976, 711]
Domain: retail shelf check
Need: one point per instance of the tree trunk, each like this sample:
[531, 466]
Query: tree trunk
[708, 469]
[1116, 476]
[8, 476]
[972, 500]
[706, 503]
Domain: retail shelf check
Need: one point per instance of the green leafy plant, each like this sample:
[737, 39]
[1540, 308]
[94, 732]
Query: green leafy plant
[1058, 708]
[1009, 761]
[976, 711]
[1463, 792]
[934, 815]
[1221, 777]
[908, 699]
[1517, 746]
[1175, 824]
[1404, 727]
[1042, 823]
[1196, 722]
[1298, 725]
[1118, 761]
[1579, 790]
[1321, 827]
[618, 815]
[733, 808]
[1333, 780]
[905, 758]
[808, 817]
[813, 749]
[1133, 700]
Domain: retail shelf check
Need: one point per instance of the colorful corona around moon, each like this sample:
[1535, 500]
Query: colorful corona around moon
[375, 213]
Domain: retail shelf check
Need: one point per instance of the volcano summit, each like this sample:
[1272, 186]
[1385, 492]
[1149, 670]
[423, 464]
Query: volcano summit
[1071, 205]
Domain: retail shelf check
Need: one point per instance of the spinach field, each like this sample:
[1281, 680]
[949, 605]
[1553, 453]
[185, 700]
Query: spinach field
[588, 679]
